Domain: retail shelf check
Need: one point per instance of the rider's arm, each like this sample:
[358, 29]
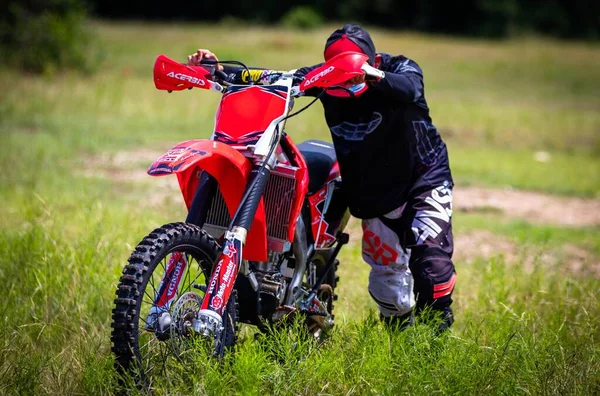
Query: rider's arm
[403, 79]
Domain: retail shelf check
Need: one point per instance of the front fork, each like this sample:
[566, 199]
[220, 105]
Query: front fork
[167, 289]
[210, 317]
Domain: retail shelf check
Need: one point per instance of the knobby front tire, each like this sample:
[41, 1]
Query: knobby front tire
[137, 349]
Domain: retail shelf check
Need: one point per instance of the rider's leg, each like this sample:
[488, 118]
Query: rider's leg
[390, 280]
[431, 242]
[419, 233]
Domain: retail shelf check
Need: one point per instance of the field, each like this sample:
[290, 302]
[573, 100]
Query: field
[522, 122]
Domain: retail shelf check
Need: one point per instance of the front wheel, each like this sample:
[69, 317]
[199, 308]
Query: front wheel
[158, 297]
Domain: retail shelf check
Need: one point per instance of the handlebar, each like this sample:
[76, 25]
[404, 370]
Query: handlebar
[335, 71]
[171, 75]
[247, 74]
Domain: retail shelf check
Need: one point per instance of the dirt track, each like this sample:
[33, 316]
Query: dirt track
[530, 206]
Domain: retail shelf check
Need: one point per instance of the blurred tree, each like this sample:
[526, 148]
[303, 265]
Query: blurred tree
[45, 35]
[302, 17]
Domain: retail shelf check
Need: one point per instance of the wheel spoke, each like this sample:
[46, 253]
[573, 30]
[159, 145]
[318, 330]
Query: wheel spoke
[151, 282]
[164, 356]
[146, 323]
[148, 361]
[150, 341]
[197, 276]
[144, 346]
[187, 272]
[163, 265]
[150, 299]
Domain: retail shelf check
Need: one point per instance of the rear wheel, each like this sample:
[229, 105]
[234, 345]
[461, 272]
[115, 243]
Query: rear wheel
[146, 334]
[319, 325]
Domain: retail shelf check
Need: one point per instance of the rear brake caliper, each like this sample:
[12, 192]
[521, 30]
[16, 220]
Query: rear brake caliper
[316, 310]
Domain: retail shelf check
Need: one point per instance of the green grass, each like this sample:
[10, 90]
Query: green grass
[523, 232]
[517, 330]
[562, 173]
[70, 218]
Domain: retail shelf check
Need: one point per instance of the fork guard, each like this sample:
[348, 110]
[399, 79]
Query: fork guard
[231, 170]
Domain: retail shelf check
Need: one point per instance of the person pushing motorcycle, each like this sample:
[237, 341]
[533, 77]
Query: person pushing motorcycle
[395, 176]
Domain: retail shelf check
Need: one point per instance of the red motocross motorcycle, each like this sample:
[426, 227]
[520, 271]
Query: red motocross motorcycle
[264, 226]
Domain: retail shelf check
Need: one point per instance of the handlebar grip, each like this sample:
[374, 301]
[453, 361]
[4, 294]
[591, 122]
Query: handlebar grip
[373, 72]
[212, 69]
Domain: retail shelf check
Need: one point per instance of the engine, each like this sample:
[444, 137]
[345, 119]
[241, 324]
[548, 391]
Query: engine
[272, 284]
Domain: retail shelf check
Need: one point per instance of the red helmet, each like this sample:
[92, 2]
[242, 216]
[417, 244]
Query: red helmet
[351, 38]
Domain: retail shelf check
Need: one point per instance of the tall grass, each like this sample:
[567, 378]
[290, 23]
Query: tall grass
[518, 331]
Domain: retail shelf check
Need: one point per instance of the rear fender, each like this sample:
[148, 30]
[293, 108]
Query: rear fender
[231, 170]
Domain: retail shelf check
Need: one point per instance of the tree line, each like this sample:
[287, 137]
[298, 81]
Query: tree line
[488, 18]
[45, 35]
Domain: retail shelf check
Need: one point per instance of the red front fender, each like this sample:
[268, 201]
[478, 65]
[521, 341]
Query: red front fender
[230, 168]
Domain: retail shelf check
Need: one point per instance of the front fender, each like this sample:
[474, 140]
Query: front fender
[231, 170]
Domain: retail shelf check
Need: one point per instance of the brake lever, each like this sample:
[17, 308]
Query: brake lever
[206, 61]
[350, 92]
[211, 66]
[221, 75]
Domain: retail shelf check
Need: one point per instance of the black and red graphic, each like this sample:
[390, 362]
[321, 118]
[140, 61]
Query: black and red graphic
[223, 277]
[169, 284]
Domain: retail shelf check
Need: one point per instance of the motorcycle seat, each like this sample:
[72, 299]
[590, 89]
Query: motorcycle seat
[320, 158]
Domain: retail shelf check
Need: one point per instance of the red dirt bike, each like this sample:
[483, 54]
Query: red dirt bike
[264, 226]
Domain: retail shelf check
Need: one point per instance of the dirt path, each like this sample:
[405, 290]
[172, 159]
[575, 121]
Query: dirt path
[568, 258]
[530, 206]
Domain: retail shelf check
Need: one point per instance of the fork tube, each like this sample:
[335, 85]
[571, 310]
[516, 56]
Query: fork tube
[205, 192]
[245, 215]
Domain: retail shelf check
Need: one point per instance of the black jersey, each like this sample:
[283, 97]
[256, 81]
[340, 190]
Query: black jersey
[385, 141]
